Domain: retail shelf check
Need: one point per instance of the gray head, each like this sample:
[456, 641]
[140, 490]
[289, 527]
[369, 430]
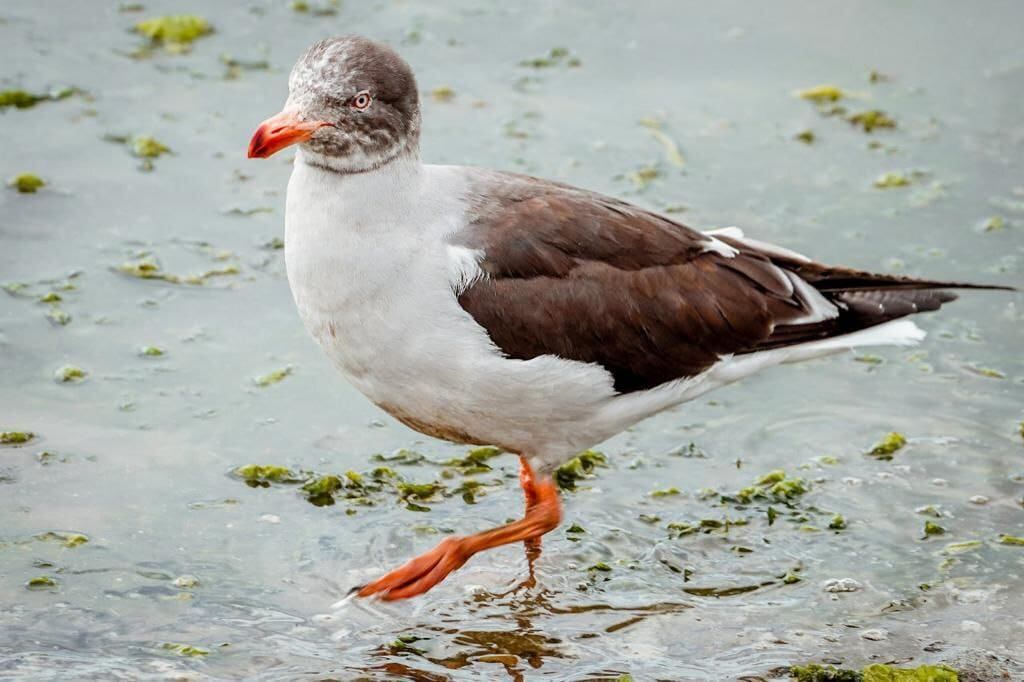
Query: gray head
[352, 105]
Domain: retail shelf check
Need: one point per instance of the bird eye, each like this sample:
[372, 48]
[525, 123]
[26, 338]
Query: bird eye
[361, 101]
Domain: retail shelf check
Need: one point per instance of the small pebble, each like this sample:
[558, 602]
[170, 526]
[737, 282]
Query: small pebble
[841, 585]
[971, 626]
[941, 482]
[270, 518]
[875, 635]
[979, 499]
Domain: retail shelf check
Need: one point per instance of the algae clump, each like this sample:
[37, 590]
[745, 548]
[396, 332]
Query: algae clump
[579, 467]
[174, 32]
[880, 672]
[22, 99]
[42, 582]
[185, 649]
[877, 672]
[891, 179]
[272, 378]
[889, 445]
[27, 183]
[442, 93]
[666, 492]
[871, 119]
[264, 474]
[1011, 540]
[15, 437]
[148, 147]
[932, 528]
[821, 94]
[69, 374]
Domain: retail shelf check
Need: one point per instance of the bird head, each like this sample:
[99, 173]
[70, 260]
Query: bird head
[352, 105]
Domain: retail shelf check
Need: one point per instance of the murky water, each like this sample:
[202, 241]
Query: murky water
[139, 453]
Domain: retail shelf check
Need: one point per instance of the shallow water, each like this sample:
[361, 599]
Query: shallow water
[141, 451]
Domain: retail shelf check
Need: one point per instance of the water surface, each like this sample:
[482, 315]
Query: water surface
[140, 452]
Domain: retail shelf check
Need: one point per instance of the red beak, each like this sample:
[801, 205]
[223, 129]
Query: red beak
[281, 131]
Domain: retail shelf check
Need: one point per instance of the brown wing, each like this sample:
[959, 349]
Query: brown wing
[589, 278]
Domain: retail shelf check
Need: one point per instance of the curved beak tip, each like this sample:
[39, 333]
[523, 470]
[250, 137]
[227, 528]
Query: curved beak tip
[280, 131]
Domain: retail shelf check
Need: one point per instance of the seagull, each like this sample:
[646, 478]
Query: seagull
[490, 308]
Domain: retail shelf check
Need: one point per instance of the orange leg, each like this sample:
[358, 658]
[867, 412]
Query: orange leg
[527, 480]
[420, 574]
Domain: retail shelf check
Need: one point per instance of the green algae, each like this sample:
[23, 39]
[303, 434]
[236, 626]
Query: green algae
[555, 57]
[872, 119]
[185, 649]
[805, 136]
[148, 147]
[271, 378]
[931, 528]
[50, 297]
[41, 582]
[442, 93]
[401, 456]
[994, 224]
[962, 547]
[772, 477]
[326, 10]
[152, 351]
[837, 522]
[146, 268]
[27, 183]
[869, 359]
[774, 485]
[58, 317]
[575, 528]
[877, 672]
[672, 153]
[174, 32]
[643, 176]
[821, 94]
[1010, 540]
[419, 491]
[665, 492]
[320, 491]
[880, 672]
[262, 475]
[891, 179]
[600, 566]
[66, 539]
[22, 99]
[578, 468]
[888, 446]
[475, 461]
[16, 437]
[987, 372]
[69, 374]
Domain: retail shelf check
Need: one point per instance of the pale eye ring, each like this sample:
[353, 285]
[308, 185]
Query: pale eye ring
[361, 101]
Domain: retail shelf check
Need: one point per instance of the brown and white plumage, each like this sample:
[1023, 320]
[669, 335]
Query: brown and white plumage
[488, 307]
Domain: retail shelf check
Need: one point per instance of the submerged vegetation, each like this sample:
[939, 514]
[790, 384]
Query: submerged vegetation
[175, 33]
[892, 443]
[27, 183]
[22, 99]
[877, 672]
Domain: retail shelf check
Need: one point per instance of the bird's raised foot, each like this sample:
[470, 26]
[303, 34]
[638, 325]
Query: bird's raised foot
[421, 573]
